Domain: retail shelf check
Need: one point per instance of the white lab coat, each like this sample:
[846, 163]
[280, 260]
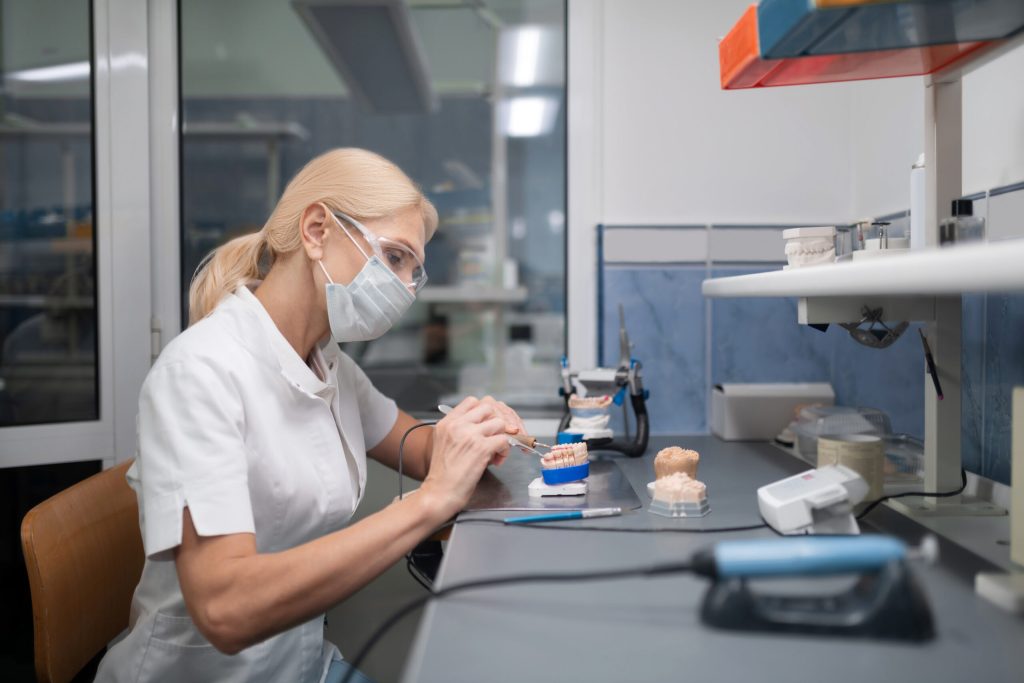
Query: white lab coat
[233, 424]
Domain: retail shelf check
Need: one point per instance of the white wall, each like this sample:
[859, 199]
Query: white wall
[994, 124]
[886, 136]
[678, 149]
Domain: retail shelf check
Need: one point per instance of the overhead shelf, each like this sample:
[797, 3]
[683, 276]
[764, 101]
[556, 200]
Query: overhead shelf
[993, 267]
[800, 42]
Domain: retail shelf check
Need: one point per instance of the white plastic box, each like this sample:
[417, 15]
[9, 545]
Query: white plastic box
[758, 412]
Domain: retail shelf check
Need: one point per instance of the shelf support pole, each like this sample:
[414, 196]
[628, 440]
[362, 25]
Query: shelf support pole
[943, 130]
[943, 138]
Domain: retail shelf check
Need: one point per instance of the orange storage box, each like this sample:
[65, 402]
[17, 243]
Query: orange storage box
[742, 66]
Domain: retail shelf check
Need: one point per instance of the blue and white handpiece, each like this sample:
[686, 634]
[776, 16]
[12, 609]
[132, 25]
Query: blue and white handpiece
[800, 556]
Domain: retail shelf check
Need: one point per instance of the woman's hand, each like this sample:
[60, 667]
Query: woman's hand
[513, 423]
[474, 434]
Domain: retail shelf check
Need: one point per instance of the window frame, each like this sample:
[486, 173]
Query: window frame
[121, 207]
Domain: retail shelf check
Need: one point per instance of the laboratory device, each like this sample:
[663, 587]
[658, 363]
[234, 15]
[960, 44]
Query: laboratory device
[817, 501]
[626, 378]
[886, 601]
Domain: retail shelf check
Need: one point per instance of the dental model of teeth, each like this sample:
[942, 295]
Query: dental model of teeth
[589, 401]
[565, 455]
[680, 488]
[677, 495]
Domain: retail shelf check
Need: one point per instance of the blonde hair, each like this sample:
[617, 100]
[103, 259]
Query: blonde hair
[352, 181]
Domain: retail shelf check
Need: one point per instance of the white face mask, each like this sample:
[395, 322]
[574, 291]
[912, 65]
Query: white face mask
[368, 306]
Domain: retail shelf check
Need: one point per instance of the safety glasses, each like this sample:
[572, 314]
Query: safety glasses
[402, 260]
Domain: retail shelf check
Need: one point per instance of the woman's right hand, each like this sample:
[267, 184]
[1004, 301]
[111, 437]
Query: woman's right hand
[465, 441]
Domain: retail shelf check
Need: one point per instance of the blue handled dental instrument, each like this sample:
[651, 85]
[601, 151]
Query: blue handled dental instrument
[571, 514]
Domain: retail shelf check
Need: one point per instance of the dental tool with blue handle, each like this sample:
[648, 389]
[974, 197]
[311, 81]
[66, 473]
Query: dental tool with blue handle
[570, 514]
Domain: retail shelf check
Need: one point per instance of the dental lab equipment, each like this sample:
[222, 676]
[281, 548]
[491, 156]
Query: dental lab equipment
[886, 601]
[627, 377]
[817, 501]
[559, 516]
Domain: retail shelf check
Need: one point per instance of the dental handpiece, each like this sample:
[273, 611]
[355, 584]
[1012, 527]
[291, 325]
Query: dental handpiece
[524, 439]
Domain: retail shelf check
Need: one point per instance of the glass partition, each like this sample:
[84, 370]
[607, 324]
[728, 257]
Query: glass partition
[48, 356]
[468, 98]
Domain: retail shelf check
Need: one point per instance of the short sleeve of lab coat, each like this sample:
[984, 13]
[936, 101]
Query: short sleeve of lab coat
[377, 412]
[191, 454]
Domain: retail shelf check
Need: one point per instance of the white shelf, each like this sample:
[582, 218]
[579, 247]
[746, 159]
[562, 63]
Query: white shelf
[991, 267]
[445, 294]
[256, 130]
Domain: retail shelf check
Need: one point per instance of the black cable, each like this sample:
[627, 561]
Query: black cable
[401, 450]
[947, 494]
[410, 566]
[413, 605]
[570, 527]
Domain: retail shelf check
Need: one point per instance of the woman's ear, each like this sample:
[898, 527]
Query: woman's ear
[314, 228]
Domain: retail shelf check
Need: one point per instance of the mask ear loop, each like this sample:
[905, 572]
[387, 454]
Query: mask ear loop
[345, 230]
[321, 264]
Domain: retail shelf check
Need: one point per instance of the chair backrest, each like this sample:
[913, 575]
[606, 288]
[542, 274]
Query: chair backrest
[83, 552]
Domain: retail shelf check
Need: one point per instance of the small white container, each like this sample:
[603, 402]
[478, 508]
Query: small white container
[810, 246]
[758, 412]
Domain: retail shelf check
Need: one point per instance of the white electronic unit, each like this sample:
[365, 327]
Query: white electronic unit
[813, 502]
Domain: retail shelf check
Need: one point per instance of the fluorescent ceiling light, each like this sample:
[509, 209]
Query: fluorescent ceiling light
[527, 56]
[527, 117]
[530, 55]
[72, 71]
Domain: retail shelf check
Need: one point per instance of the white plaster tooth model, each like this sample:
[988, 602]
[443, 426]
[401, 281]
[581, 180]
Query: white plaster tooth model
[810, 246]
[678, 495]
[589, 415]
[675, 459]
[589, 401]
[680, 488]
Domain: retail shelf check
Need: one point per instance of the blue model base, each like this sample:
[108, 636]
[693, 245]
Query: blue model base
[566, 474]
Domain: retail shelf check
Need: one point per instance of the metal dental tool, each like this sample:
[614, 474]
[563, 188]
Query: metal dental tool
[523, 441]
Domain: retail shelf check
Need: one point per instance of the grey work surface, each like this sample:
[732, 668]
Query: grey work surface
[649, 629]
[505, 488]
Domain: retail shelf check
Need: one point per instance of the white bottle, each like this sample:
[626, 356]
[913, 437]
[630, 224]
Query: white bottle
[917, 200]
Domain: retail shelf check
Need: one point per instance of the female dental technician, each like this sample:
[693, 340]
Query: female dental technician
[254, 430]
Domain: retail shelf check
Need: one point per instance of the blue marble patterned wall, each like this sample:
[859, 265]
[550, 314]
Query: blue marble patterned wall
[688, 344]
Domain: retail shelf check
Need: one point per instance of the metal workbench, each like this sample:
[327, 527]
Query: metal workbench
[648, 629]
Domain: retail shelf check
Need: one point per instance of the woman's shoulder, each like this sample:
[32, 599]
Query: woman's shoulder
[223, 339]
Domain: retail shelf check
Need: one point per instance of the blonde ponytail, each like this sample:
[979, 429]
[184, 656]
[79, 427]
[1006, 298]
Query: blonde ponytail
[352, 181]
[224, 270]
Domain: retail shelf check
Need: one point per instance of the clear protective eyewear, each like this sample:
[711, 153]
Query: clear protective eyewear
[398, 257]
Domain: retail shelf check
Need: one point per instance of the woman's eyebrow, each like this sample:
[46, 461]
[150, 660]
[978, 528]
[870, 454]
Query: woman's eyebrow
[406, 243]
